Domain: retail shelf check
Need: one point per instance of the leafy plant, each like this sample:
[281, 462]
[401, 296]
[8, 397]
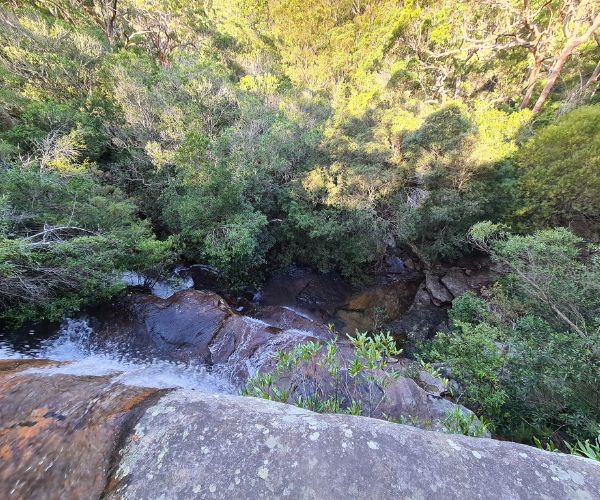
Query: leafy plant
[587, 448]
[527, 357]
[316, 376]
[467, 424]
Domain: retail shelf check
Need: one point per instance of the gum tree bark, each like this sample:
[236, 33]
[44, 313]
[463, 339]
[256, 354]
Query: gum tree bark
[570, 46]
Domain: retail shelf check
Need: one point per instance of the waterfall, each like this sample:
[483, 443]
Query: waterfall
[72, 345]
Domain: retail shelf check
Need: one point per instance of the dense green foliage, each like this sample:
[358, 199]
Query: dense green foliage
[65, 237]
[528, 358]
[249, 134]
[560, 169]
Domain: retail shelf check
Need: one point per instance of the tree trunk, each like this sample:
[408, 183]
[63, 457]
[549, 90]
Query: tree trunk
[568, 49]
[110, 21]
[594, 76]
[596, 73]
[531, 81]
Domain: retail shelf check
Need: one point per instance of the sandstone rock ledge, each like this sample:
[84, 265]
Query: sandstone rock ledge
[66, 436]
[194, 445]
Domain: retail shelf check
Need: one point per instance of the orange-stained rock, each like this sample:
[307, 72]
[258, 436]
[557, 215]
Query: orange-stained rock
[14, 365]
[58, 433]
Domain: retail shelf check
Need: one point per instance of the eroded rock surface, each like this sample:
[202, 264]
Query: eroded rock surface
[200, 326]
[58, 433]
[427, 314]
[329, 298]
[193, 445]
[181, 327]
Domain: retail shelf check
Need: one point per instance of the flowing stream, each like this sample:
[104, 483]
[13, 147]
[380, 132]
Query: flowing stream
[71, 342]
[72, 345]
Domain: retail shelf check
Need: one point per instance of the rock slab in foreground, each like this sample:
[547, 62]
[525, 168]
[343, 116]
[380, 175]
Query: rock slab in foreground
[193, 445]
[58, 433]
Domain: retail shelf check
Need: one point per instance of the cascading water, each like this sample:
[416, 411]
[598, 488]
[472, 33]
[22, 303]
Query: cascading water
[179, 279]
[72, 344]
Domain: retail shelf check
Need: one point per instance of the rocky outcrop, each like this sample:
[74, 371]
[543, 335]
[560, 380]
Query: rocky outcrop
[58, 434]
[193, 445]
[181, 327]
[199, 326]
[428, 313]
[422, 320]
[412, 303]
[330, 299]
[70, 436]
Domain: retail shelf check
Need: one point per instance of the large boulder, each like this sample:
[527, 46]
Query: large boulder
[438, 290]
[193, 445]
[422, 320]
[181, 327]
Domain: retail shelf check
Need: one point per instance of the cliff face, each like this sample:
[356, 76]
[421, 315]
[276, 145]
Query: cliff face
[73, 436]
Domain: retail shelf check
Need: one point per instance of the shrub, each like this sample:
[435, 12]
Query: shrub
[528, 357]
[560, 171]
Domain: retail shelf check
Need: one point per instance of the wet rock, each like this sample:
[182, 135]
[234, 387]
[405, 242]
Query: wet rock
[193, 445]
[58, 433]
[246, 345]
[11, 366]
[306, 289]
[180, 328]
[286, 319]
[195, 325]
[395, 265]
[350, 308]
[206, 277]
[381, 302]
[326, 292]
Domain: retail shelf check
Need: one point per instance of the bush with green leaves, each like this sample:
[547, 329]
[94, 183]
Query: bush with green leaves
[560, 171]
[315, 376]
[65, 239]
[588, 448]
[528, 357]
[459, 422]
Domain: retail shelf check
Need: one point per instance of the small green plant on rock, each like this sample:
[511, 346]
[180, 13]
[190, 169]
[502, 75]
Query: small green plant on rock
[587, 448]
[458, 422]
[318, 377]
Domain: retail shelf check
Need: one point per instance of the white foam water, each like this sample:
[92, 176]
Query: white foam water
[164, 288]
[72, 345]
